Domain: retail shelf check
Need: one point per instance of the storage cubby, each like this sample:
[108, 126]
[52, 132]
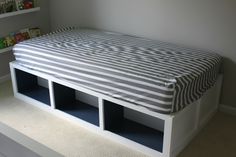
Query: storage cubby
[28, 85]
[68, 100]
[118, 123]
[163, 134]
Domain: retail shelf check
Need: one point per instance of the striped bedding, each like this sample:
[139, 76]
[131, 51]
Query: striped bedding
[159, 76]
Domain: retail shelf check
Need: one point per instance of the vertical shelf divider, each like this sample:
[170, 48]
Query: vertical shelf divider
[101, 113]
[51, 93]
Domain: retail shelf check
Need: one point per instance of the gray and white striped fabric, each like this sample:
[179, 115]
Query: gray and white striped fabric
[160, 76]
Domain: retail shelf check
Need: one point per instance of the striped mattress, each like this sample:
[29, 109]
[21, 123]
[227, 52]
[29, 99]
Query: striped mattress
[158, 76]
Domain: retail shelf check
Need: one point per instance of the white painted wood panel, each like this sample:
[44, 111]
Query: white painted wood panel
[178, 128]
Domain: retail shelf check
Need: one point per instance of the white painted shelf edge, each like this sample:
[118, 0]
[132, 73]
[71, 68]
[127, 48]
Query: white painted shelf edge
[19, 12]
[6, 49]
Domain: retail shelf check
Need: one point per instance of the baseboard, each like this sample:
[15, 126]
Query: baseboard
[24, 145]
[228, 109]
[5, 78]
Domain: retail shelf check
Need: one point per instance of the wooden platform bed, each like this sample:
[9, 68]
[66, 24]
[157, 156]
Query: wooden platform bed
[152, 133]
[149, 95]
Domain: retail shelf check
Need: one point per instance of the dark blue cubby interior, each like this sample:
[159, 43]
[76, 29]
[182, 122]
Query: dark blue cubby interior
[116, 123]
[27, 84]
[114, 120]
[65, 100]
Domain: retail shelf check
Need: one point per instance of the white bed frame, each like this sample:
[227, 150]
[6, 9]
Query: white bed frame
[178, 129]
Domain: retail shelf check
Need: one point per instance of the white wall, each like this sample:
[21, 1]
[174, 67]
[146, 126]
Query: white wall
[205, 24]
[12, 24]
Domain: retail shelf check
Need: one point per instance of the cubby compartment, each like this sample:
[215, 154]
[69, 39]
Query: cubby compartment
[76, 103]
[32, 86]
[123, 122]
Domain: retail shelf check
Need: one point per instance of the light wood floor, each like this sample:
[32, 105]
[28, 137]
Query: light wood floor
[217, 139]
